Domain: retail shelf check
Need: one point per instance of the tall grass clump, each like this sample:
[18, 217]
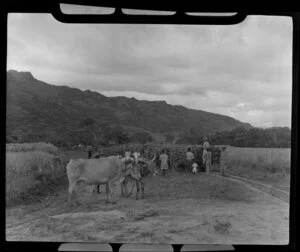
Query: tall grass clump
[32, 174]
[26, 147]
[271, 160]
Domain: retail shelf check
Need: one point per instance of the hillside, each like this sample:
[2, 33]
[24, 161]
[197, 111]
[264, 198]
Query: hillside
[37, 111]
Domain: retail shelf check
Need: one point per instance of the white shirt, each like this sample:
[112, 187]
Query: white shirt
[189, 155]
[194, 167]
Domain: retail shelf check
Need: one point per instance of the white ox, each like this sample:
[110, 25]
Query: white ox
[109, 171]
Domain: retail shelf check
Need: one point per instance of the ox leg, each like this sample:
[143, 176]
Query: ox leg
[128, 178]
[107, 192]
[71, 191]
[123, 186]
[137, 182]
[122, 189]
[112, 196]
[142, 188]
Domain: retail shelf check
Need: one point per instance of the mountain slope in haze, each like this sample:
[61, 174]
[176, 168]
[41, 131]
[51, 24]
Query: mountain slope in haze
[37, 111]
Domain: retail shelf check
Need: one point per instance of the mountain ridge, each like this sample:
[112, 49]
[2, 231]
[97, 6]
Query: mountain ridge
[36, 108]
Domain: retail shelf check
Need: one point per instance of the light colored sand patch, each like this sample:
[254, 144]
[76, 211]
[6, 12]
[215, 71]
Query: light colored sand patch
[114, 214]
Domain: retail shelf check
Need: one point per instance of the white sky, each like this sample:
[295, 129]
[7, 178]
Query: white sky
[243, 71]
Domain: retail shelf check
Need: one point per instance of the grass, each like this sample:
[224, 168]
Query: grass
[26, 147]
[259, 163]
[32, 173]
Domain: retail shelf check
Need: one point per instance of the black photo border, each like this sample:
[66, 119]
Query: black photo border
[243, 10]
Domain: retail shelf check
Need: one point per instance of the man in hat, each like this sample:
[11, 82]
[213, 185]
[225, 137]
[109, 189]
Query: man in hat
[206, 156]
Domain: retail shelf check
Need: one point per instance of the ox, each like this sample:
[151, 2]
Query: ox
[109, 171]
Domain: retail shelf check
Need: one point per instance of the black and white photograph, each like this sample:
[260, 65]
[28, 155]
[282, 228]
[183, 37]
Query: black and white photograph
[148, 133]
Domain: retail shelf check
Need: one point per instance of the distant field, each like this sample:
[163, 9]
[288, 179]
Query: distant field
[268, 164]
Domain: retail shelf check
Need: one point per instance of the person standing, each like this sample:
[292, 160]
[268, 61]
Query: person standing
[89, 151]
[223, 161]
[156, 163]
[163, 162]
[206, 156]
[189, 158]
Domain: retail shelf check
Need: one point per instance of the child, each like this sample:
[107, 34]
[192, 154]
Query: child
[195, 166]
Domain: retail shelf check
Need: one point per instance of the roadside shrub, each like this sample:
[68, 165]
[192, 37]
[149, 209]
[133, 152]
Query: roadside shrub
[32, 174]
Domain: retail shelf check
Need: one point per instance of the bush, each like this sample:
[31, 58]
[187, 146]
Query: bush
[25, 147]
[32, 174]
[141, 137]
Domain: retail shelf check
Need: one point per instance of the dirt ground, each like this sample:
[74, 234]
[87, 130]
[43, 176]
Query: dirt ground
[179, 208]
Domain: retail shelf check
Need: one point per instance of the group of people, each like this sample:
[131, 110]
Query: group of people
[162, 160]
[207, 159]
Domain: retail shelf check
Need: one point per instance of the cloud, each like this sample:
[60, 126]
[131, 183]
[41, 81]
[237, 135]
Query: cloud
[240, 70]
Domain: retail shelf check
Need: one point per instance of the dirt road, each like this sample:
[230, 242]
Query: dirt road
[177, 209]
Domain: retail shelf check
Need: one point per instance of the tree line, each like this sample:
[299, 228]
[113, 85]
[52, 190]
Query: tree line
[275, 137]
[90, 132]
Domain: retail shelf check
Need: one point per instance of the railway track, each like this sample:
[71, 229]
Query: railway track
[266, 189]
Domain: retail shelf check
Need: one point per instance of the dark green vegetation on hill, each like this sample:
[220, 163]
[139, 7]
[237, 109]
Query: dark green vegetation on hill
[275, 137]
[65, 116]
